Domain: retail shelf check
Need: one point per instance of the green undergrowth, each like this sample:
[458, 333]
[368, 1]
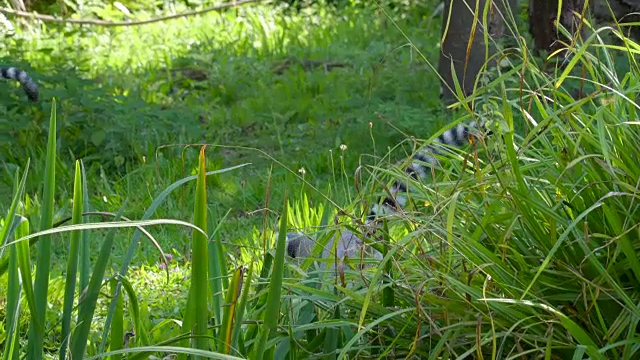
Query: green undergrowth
[131, 99]
[524, 244]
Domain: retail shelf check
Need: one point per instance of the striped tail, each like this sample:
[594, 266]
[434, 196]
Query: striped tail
[422, 163]
[29, 86]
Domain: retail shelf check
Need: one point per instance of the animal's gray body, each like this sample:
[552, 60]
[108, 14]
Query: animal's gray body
[28, 85]
[299, 245]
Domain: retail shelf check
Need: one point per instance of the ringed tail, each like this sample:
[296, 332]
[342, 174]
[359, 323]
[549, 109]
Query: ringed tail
[28, 85]
[421, 164]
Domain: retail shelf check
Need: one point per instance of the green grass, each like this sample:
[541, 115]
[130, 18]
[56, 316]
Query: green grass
[300, 117]
[524, 244]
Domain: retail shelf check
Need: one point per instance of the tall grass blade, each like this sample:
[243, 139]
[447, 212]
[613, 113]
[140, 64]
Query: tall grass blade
[574, 329]
[331, 342]
[106, 225]
[349, 345]
[198, 292]
[14, 286]
[261, 299]
[272, 311]
[84, 262]
[72, 262]
[43, 260]
[24, 262]
[141, 335]
[133, 246]
[237, 325]
[86, 308]
[12, 315]
[375, 280]
[188, 321]
[9, 222]
[228, 317]
[116, 335]
[216, 264]
[195, 353]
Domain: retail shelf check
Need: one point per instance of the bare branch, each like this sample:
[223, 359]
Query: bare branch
[49, 18]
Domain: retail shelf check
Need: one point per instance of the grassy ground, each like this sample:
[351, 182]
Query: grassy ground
[127, 107]
[525, 247]
[123, 100]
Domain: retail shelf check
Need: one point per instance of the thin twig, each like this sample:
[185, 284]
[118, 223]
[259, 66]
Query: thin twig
[49, 18]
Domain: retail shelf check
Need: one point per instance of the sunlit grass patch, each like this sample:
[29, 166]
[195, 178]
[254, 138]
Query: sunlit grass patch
[126, 91]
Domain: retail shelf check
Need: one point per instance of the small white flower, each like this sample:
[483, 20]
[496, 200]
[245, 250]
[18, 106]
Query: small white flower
[343, 147]
[302, 171]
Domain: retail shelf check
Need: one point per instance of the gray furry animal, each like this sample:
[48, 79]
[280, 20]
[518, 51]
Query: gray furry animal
[28, 85]
[299, 245]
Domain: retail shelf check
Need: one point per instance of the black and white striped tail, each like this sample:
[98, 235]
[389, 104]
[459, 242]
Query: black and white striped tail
[422, 163]
[29, 86]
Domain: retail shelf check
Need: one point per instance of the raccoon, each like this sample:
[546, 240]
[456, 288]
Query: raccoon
[29, 86]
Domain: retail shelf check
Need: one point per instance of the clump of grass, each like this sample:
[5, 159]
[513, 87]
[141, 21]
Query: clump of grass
[527, 245]
[524, 246]
[80, 304]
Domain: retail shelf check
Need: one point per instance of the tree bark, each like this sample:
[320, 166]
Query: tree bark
[623, 11]
[463, 42]
[542, 21]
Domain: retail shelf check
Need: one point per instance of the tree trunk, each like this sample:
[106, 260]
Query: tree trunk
[623, 11]
[542, 19]
[460, 33]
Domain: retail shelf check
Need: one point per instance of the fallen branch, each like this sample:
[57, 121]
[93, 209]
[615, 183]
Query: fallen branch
[49, 18]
